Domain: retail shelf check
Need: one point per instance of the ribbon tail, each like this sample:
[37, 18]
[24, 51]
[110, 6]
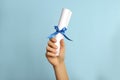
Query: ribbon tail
[67, 37]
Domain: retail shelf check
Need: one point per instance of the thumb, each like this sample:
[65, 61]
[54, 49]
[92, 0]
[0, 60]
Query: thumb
[62, 46]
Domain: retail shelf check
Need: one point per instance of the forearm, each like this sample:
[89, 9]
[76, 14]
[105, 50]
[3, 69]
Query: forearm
[60, 72]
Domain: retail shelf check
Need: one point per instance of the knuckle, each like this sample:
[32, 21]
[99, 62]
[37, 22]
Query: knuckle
[48, 42]
[46, 54]
[47, 48]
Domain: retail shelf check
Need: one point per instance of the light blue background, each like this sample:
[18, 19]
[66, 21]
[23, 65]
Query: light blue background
[94, 53]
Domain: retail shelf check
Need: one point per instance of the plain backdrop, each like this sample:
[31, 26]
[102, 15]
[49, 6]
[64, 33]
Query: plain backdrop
[94, 53]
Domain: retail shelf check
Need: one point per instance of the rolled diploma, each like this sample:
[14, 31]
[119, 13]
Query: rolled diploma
[63, 22]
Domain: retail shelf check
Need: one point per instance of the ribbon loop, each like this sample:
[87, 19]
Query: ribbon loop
[62, 31]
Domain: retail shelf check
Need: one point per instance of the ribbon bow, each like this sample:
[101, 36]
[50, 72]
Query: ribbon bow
[62, 31]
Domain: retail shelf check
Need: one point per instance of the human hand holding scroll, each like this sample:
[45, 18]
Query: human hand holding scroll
[61, 28]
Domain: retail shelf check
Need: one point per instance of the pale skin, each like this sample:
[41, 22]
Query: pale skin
[57, 61]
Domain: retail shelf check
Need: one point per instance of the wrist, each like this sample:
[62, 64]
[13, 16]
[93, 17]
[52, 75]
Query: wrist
[59, 65]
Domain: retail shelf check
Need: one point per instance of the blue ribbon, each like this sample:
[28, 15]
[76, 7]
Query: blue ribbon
[62, 31]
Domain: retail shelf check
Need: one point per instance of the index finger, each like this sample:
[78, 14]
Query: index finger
[53, 40]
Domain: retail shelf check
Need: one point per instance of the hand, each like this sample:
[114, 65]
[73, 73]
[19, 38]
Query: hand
[51, 52]
[57, 61]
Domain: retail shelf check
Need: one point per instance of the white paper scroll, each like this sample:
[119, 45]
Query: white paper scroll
[63, 22]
